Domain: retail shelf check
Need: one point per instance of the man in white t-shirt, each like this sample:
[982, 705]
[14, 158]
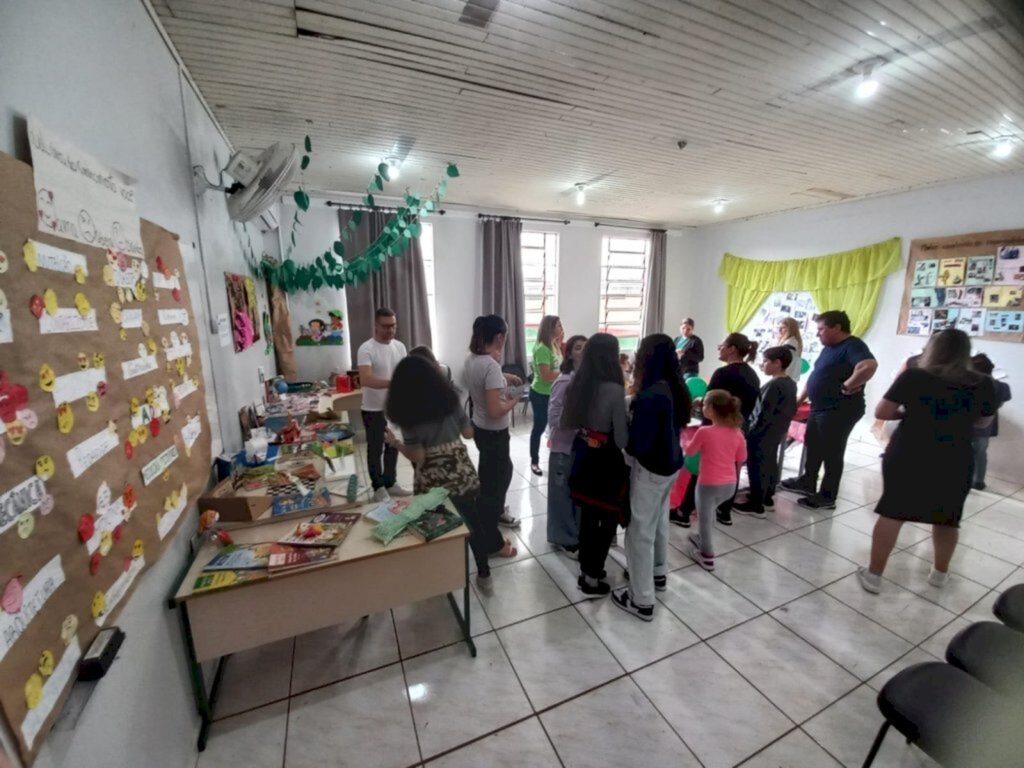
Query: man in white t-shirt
[377, 358]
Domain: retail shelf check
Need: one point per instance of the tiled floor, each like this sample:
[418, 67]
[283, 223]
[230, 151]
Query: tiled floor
[773, 660]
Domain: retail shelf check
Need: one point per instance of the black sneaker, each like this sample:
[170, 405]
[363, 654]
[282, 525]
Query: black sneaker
[816, 501]
[643, 612]
[725, 518]
[978, 486]
[599, 590]
[769, 504]
[750, 509]
[679, 518]
[798, 485]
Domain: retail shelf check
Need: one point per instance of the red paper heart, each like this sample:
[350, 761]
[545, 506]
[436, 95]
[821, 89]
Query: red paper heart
[35, 305]
[101, 388]
[13, 398]
[128, 496]
[176, 293]
[86, 527]
[127, 565]
[154, 427]
[94, 563]
[116, 533]
[159, 264]
[128, 450]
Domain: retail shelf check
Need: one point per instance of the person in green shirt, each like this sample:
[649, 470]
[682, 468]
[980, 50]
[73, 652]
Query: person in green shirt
[547, 357]
[689, 348]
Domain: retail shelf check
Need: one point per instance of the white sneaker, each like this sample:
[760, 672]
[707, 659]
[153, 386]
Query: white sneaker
[507, 520]
[938, 578]
[381, 495]
[871, 582]
[396, 491]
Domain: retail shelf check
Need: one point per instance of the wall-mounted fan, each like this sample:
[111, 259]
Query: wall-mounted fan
[258, 180]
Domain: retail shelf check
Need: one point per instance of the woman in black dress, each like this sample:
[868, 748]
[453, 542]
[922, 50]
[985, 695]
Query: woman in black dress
[926, 468]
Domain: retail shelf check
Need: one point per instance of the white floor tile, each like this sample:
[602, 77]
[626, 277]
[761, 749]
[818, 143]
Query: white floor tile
[970, 563]
[991, 542]
[899, 610]
[565, 573]
[580, 731]
[764, 583]
[863, 520]
[325, 724]
[430, 624]
[496, 561]
[705, 604]
[806, 559]
[338, 652]
[916, 656]
[633, 642]
[937, 643]
[748, 530]
[527, 502]
[534, 534]
[251, 740]
[793, 675]
[456, 698]
[557, 656]
[520, 590]
[700, 696]
[911, 572]
[794, 750]
[1006, 517]
[678, 537]
[857, 643]
[523, 744]
[254, 678]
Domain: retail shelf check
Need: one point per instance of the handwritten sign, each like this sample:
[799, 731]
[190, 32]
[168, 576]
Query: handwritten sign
[156, 467]
[91, 450]
[173, 316]
[109, 515]
[131, 318]
[138, 366]
[40, 589]
[175, 351]
[191, 431]
[74, 386]
[224, 329]
[67, 320]
[52, 689]
[183, 390]
[6, 331]
[161, 282]
[120, 588]
[43, 256]
[26, 496]
[80, 198]
[165, 521]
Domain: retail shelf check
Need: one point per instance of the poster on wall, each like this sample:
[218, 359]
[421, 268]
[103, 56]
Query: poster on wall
[973, 282]
[243, 309]
[320, 332]
[764, 325]
[80, 198]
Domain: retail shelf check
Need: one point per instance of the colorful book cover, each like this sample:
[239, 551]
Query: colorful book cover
[312, 534]
[240, 557]
[345, 518]
[436, 522]
[286, 503]
[207, 582]
[285, 557]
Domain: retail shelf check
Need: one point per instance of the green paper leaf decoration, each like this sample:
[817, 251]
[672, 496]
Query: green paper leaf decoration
[429, 205]
[308, 144]
[368, 201]
[411, 200]
[301, 199]
[453, 171]
[415, 229]
[384, 171]
[339, 248]
[305, 162]
[394, 249]
[352, 225]
[357, 217]
[378, 182]
[442, 188]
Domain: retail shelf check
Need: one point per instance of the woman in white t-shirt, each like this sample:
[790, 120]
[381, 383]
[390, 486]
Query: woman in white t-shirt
[789, 336]
[486, 385]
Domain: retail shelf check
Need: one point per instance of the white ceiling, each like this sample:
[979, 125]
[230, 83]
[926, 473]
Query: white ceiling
[556, 92]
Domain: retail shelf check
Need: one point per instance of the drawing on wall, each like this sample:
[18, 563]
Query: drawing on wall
[243, 309]
[1009, 265]
[323, 333]
[763, 327]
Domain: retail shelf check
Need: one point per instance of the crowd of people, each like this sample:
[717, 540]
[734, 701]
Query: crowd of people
[619, 433]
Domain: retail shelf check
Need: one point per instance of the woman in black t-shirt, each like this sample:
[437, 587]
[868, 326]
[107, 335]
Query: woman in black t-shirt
[926, 468]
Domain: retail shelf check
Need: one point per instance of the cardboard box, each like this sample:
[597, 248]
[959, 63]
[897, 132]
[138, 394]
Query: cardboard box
[232, 508]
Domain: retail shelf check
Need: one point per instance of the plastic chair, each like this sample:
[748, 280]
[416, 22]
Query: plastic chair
[697, 386]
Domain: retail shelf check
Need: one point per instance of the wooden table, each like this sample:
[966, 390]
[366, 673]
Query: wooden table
[365, 577]
[351, 403]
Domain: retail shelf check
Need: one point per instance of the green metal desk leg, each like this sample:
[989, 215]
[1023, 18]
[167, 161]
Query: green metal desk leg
[464, 618]
[204, 702]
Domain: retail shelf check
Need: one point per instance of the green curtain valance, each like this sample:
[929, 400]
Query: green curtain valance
[851, 281]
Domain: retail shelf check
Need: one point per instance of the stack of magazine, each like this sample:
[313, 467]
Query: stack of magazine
[311, 542]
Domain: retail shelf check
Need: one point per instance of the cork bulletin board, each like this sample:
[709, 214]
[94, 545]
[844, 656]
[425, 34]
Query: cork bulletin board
[104, 440]
[973, 282]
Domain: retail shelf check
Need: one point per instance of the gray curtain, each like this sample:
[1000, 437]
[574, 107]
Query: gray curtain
[503, 283]
[654, 293]
[400, 284]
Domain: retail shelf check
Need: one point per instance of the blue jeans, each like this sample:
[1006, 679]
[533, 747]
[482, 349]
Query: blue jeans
[563, 514]
[539, 403]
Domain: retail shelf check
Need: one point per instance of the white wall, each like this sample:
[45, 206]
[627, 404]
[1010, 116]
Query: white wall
[975, 206]
[100, 75]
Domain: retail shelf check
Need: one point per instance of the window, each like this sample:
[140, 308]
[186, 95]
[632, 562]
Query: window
[623, 279]
[427, 249]
[539, 252]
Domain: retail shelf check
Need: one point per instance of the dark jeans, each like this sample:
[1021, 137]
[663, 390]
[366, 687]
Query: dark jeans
[762, 466]
[539, 403]
[827, 434]
[484, 537]
[495, 470]
[597, 532]
[382, 472]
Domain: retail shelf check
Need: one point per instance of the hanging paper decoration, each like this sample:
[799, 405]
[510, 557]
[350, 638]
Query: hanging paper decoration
[243, 309]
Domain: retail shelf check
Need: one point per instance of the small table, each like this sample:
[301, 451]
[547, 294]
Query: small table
[365, 577]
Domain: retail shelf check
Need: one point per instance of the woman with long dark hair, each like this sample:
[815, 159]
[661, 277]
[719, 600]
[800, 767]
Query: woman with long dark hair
[425, 406]
[595, 408]
[486, 385]
[547, 357]
[563, 515]
[660, 409]
[926, 468]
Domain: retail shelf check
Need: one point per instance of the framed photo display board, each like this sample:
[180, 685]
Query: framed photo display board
[104, 439]
[973, 282]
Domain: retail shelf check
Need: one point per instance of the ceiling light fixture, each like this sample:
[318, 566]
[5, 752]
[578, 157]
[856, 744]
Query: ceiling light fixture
[394, 168]
[581, 195]
[720, 205]
[1003, 149]
[868, 86]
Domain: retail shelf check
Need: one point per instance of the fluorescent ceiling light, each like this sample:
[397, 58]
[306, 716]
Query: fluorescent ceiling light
[720, 205]
[1003, 149]
[867, 87]
[581, 195]
[394, 168]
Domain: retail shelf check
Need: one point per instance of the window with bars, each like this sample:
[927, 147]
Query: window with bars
[427, 249]
[539, 252]
[623, 278]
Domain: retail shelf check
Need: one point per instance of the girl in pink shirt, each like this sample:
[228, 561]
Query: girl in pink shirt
[722, 450]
